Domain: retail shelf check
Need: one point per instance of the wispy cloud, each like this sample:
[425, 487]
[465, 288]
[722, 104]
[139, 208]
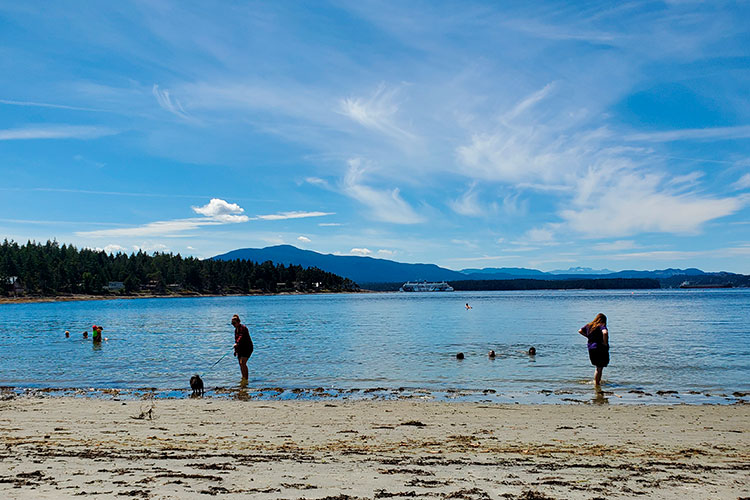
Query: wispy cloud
[293, 215]
[360, 251]
[530, 101]
[55, 132]
[164, 98]
[303, 239]
[49, 105]
[317, 181]
[694, 134]
[384, 205]
[615, 246]
[621, 203]
[742, 183]
[468, 203]
[217, 212]
[378, 112]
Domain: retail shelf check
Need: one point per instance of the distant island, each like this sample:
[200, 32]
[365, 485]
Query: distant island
[53, 270]
[61, 272]
[382, 274]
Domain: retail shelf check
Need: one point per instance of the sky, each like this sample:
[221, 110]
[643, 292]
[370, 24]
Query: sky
[548, 135]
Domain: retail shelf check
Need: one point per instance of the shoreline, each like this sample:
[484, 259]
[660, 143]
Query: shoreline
[85, 297]
[590, 396]
[66, 447]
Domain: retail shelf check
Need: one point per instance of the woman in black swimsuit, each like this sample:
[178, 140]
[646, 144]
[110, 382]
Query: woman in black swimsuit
[598, 344]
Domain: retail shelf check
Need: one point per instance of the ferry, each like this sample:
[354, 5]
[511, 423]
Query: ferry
[425, 286]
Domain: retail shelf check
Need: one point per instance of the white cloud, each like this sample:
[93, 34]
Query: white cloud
[217, 212]
[376, 113]
[619, 203]
[742, 183]
[694, 134]
[48, 105]
[317, 181]
[386, 253]
[666, 255]
[329, 224]
[293, 215]
[466, 243]
[528, 102]
[55, 132]
[164, 99]
[360, 251]
[303, 239]
[151, 247]
[112, 249]
[385, 205]
[223, 211]
[615, 245]
[159, 228]
[539, 236]
[468, 204]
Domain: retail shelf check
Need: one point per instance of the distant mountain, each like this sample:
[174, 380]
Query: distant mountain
[502, 271]
[582, 270]
[358, 269]
[369, 270]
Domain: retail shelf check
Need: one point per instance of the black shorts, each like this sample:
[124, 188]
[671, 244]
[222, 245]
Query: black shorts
[244, 353]
[599, 356]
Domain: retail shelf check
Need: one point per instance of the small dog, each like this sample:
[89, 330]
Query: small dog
[196, 384]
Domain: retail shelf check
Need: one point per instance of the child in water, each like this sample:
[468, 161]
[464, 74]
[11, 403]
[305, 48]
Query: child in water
[97, 330]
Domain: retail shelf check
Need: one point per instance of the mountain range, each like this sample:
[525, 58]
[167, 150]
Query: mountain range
[365, 270]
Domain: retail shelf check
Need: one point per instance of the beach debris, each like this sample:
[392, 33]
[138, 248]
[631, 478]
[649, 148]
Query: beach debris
[415, 423]
[146, 413]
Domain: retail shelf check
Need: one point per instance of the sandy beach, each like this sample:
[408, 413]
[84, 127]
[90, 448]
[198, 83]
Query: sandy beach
[193, 448]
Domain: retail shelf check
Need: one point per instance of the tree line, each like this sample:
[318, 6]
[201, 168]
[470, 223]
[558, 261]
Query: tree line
[53, 269]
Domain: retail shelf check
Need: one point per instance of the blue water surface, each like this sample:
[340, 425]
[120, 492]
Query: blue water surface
[694, 342]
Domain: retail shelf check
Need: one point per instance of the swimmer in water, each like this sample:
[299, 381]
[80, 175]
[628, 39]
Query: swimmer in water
[67, 334]
[468, 306]
[85, 335]
[532, 351]
[491, 354]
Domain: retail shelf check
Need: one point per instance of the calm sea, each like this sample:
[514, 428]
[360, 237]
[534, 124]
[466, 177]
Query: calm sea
[693, 342]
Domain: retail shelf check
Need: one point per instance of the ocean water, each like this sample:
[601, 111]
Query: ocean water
[670, 346]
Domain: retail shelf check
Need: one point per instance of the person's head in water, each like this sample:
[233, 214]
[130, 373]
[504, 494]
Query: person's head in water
[85, 335]
[67, 334]
[491, 354]
[460, 355]
[532, 351]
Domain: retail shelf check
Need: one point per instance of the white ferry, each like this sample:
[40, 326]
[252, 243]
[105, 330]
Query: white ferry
[425, 286]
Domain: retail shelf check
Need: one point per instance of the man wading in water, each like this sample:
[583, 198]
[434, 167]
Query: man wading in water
[243, 346]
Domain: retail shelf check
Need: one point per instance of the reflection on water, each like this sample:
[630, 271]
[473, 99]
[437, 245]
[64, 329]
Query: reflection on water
[660, 341]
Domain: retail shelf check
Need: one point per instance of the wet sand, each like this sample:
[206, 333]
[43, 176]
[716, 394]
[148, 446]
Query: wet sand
[194, 448]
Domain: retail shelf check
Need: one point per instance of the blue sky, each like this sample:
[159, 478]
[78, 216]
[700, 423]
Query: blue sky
[466, 134]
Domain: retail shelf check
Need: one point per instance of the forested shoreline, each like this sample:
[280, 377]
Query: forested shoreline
[51, 269]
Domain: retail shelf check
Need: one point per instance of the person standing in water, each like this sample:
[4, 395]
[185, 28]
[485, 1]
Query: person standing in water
[243, 345]
[598, 345]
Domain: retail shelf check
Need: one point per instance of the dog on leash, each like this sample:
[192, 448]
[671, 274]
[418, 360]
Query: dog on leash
[196, 384]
